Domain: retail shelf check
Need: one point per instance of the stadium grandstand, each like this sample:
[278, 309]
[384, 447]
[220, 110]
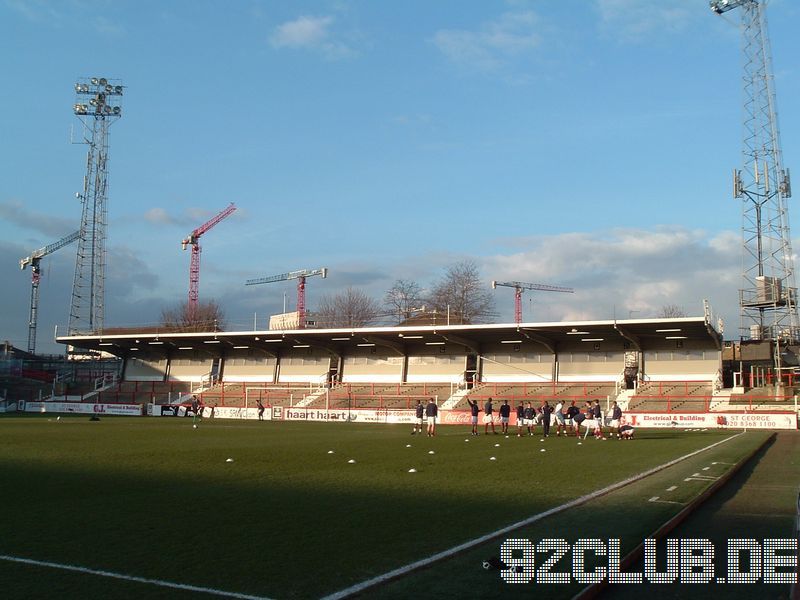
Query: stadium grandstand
[648, 365]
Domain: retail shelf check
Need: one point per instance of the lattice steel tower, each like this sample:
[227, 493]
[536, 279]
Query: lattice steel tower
[97, 106]
[768, 296]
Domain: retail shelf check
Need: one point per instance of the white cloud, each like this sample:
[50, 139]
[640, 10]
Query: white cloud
[494, 44]
[39, 11]
[15, 212]
[310, 33]
[624, 272]
[159, 216]
[634, 20]
[302, 32]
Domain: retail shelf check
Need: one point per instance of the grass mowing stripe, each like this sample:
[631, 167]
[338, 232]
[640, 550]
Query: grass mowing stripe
[404, 570]
[158, 582]
[593, 590]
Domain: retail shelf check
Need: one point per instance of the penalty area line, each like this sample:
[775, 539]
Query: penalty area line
[112, 575]
[405, 570]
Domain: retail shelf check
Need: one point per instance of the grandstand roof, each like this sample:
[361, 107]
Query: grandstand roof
[633, 333]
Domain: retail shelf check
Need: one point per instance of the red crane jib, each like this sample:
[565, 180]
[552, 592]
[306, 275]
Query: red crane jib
[209, 224]
[194, 265]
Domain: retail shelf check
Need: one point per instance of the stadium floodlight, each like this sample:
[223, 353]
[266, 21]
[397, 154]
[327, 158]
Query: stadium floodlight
[722, 6]
[274, 340]
[412, 337]
[301, 346]
[97, 110]
[675, 337]
[211, 341]
[667, 330]
[592, 339]
[155, 343]
[105, 344]
[434, 343]
[241, 347]
[365, 345]
[99, 89]
[576, 332]
[347, 339]
[510, 341]
[185, 347]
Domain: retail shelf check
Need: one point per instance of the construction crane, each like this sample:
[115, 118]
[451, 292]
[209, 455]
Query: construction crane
[768, 297]
[301, 276]
[33, 260]
[194, 266]
[519, 286]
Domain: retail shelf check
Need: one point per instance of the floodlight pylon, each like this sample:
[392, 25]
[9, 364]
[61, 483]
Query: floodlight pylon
[768, 297]
[98, 106]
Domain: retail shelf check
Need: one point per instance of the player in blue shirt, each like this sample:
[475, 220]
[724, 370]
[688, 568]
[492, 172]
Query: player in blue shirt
[597, 414]
[572, 412]
[529, 418]
[474, 409]
[547, 411]
[488, 417]
[431, 411]
[616, 416]
[419, 415]
[578, 418]
[505, 413]
[626, 432]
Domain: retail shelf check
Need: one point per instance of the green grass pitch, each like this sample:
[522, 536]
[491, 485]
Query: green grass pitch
[158, 499]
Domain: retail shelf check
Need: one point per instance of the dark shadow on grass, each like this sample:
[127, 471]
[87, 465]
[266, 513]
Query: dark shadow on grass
[154, 499]
[714, 522]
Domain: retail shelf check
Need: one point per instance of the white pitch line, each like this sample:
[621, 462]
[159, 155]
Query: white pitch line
[672, 488]
[158, 582]
[705, 468]
[405, 570]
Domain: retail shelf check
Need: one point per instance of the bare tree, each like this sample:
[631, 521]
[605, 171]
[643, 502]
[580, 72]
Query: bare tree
[463, 294]
[403, 298]
[671, 311]
[208, 316]
[350, 308]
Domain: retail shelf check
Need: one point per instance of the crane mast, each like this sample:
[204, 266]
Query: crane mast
[520, 286]
[33, 260]
[301, 276]
[768, 297]
[193, 240]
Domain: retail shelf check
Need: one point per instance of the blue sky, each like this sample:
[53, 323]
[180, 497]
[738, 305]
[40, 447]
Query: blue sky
[585, 143]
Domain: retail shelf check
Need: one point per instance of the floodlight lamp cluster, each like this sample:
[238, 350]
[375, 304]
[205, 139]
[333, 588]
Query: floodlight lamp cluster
[722, 6]
[99, 89]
